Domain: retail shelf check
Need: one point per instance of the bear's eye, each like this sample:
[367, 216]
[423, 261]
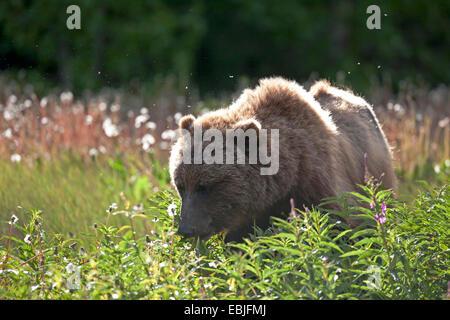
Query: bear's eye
[203, 189]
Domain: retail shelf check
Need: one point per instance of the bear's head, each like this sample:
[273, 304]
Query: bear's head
[217, 195]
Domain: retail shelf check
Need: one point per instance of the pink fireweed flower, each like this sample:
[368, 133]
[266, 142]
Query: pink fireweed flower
[381, 218]
[383, 208]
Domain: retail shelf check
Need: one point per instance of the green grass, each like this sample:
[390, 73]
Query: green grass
[72, 194]
[308, 256]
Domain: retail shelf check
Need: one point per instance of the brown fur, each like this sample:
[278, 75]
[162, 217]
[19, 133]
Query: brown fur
[323, 136]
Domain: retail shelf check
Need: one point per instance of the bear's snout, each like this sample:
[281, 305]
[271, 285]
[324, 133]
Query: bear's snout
[194, 222]
[193, 230]
[185, 230]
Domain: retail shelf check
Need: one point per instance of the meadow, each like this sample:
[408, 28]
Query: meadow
[87, 210]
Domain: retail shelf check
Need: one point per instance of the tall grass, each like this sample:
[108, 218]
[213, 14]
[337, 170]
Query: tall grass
[309, 256]
[71, 194]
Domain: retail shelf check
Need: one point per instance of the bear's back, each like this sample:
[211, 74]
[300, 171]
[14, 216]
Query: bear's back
[357, 122]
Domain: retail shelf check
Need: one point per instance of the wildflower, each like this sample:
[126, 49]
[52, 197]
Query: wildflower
[12, 99]
[112, 207]
[78, 108]
[144, 110]
[399, 109]
[137, 209]
[44, 102]
[155, 219]
[115, 107]
[44, 121]
[89, 120]
[213, 264]
[66, 97]
[7, 134]
[16, 158]
[27, 239]
[8, 114]
[13, 219]
[140, 120]
[27, 103]
[102, 106]
[151, 125]
[110, 129]
[444, 122]
[168, 134]
[147, 142]
[93, 152]
[381, 218]
[171, 209]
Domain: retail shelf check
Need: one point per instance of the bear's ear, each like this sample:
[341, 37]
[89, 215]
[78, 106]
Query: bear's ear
[248, 124]
[251, 141]
[187, 123]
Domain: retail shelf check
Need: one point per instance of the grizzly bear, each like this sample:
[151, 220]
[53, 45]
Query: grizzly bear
[322, 138]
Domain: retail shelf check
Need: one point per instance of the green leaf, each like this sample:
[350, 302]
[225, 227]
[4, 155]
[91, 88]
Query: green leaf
[353, 253]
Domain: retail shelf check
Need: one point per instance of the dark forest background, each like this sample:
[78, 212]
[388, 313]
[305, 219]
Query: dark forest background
[209, 45]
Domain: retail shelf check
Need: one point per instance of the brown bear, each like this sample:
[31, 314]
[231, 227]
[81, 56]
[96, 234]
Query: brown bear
[322, 138]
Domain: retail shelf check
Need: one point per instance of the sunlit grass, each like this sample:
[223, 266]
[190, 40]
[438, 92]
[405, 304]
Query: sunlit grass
[308, 256]
[71, 194]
